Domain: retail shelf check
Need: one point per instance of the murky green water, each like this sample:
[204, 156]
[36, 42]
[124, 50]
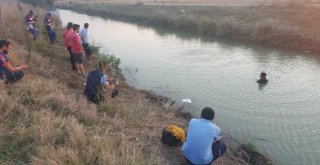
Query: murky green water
[282, 118]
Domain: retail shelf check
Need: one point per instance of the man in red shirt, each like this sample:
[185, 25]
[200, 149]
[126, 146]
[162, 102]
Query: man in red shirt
[76, 49]
[66, 36]
[10, 73]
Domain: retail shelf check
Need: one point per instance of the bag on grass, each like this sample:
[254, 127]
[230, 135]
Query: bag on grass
[173, 135]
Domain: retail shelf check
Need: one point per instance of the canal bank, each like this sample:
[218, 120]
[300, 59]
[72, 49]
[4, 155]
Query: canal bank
[235, 95]
[46, 120]
[288, 27]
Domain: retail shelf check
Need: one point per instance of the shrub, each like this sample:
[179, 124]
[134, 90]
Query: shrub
[249, 147]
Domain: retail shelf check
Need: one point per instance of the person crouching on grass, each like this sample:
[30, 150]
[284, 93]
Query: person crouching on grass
[97, 81]
[203, 144]
[76, 49]
[10, 73]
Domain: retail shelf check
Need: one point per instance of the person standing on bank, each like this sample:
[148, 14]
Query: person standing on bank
[97, 80]
[203, 144]
[48, 22]
[66, 37]
[30, 22]
[76, 49]
[85, 41]
[11, 73]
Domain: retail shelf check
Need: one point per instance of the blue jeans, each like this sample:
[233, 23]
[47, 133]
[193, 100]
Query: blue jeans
[33, 30]
[12, 77]
[52, 34]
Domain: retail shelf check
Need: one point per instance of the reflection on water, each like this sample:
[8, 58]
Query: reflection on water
[261, 86]
[283, 117]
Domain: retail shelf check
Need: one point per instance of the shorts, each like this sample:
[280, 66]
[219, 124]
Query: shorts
[78, 58]
[12, 77]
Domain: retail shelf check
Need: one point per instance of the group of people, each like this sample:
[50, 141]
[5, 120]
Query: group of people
[203, 143]
[30, 22]
[76, 41]
[77, 44]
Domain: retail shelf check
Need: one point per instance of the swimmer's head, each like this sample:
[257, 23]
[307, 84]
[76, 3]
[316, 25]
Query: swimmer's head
[263, 75]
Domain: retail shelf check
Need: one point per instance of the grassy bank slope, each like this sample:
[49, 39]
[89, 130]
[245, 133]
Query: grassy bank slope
[277, 26]
[46, 120]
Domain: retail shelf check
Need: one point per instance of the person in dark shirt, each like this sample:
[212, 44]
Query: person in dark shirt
[97, 82]
[263, 78]
[30, 22]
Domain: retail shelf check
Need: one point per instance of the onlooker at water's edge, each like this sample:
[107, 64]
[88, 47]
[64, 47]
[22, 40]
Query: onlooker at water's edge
[10, 73]
[96, 81]
[263, 78]
[49, 26]
[66, 37]
[85, 41]
[76, 49]
[203, 144]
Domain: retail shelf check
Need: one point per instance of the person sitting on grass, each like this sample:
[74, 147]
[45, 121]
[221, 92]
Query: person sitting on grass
[203, 143]
[263, 78]
[10, 73]
[97, 80]
[76, 49]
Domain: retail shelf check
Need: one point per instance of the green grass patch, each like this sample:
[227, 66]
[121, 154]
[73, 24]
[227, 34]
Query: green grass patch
[112, 60]
[249, 147]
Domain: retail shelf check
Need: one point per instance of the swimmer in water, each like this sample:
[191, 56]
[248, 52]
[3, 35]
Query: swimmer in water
[263, 79]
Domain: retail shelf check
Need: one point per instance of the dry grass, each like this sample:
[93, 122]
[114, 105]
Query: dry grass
[45, 120]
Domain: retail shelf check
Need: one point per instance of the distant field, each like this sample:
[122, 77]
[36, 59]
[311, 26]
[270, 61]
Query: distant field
[192, 1]
[293, 27]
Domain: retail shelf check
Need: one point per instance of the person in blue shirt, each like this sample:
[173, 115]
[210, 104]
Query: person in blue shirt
[97, 80]
[85, 41]
[10, 73]
[203, 143]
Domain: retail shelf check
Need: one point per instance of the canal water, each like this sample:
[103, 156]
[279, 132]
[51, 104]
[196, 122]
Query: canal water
[282, 118]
